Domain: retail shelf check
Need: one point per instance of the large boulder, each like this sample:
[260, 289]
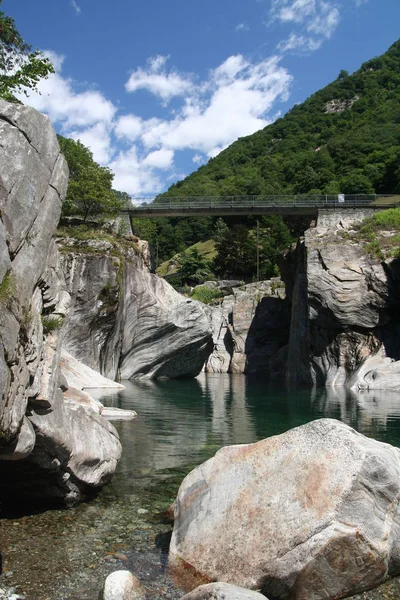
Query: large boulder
[222, 591]
[311, 513]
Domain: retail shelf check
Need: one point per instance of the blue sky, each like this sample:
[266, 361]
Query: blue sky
[155, 88]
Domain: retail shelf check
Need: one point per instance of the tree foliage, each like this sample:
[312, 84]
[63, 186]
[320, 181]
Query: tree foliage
[21, 68]
[343, 139]
[90, 192]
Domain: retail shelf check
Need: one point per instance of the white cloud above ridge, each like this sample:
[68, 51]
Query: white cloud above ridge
[314, 21]
[158, 81]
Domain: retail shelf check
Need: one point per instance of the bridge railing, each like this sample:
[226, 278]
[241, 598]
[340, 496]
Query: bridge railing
[299, 200]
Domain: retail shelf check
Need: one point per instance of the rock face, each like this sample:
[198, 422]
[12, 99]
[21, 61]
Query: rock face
[126, 322]
[293, 516]
[49, 449]
[249, 329]
[344, 310]
[222, 591]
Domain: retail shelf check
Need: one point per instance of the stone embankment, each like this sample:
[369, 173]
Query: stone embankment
[291, 515]
[50, 449]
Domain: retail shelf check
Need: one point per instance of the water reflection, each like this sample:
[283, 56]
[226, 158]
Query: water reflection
[183, 422]
[374, 413]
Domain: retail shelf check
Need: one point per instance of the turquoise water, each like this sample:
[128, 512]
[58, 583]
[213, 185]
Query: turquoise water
[66, 555]
[183, 422]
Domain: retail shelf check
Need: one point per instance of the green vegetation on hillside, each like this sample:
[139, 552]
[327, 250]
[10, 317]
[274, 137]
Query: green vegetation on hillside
[380, 234]
[343, 139]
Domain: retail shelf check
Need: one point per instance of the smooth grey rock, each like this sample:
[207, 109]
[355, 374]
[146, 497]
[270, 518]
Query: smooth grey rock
[122, 585]
[222, 591]
[73, 395]
[129, 323]
[343, 307]
[117, 414]
[249, 328]
[81, 376]
[67, 450]
[292, 515]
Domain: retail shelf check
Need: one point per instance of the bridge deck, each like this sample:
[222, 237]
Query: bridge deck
[280, 205]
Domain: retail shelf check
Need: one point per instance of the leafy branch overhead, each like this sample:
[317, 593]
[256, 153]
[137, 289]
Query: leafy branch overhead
[21, 68]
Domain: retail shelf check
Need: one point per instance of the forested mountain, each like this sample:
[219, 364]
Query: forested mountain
[345, 138]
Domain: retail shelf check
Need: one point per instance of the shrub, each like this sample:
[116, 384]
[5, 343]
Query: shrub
[205, 294]
[51, 323]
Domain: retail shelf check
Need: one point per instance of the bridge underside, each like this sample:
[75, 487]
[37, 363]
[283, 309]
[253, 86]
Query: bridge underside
[223, 212]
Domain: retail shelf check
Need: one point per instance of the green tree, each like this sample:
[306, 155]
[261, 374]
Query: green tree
[90, 192]
[21, 68]
[194, 267]
[237, 254]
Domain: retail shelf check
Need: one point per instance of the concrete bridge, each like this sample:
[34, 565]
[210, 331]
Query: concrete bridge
[301, 205]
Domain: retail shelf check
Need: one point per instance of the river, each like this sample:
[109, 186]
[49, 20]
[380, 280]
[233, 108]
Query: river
[66, 554]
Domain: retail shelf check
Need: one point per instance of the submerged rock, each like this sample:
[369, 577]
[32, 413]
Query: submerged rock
[316, 508]
[222, 591]
[122, 585]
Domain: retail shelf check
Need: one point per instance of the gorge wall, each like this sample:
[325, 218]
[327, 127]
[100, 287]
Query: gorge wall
[49, 449]
[125, 321]
[345, 307]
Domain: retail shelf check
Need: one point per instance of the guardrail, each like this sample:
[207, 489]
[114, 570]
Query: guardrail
[214, 203]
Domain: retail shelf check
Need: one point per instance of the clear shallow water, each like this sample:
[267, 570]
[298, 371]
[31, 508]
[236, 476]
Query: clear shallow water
[65, 555]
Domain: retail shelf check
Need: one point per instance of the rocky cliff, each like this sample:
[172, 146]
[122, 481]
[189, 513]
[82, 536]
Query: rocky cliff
[344, 309]
[49, 449]
[250, 327]
[125, 321]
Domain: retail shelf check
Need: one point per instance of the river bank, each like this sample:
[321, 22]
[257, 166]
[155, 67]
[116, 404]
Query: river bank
[66, 554]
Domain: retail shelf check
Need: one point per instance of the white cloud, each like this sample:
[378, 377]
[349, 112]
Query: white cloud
[76, 7]
[132, 176]
[232, 103]
[360, 2]
[315, 21]
[235, 99]
[159, 159]
[98, 139]
[59, 99]
[242, 27]
[155, 79]
[299, 43]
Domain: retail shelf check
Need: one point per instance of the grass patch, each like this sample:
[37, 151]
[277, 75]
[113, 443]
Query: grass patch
[379, 234]
[206, 250]
[51, 323]
[7, 289]
[206, 295]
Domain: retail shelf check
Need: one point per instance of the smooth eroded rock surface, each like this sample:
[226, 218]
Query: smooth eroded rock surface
[122, 585]
[51, 448]
[222, 591]
[127, 322]
[345, 306]
[310, 514]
